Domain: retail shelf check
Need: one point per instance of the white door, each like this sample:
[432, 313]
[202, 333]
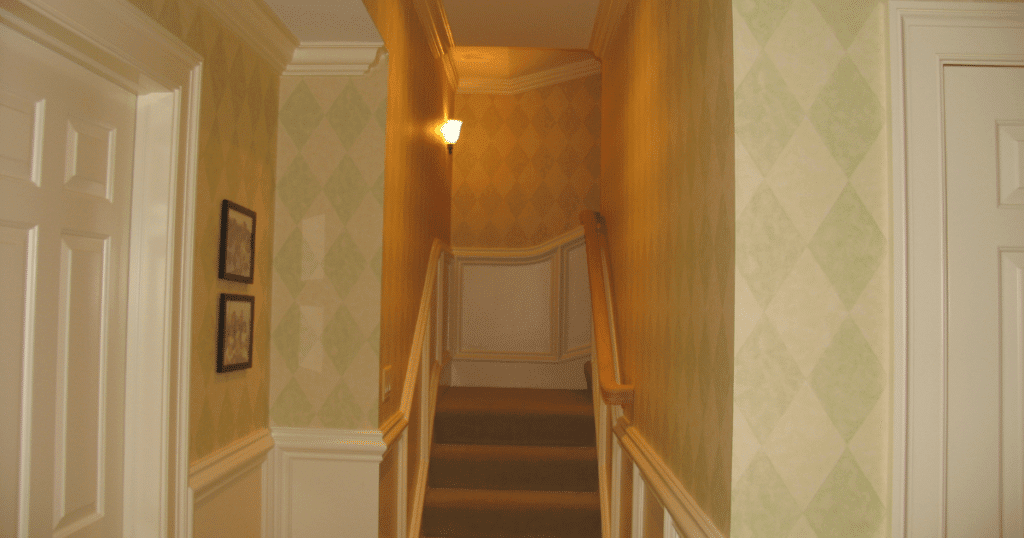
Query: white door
[66, 147]
[984, 128]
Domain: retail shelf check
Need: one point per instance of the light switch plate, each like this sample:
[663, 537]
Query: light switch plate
[385, 383]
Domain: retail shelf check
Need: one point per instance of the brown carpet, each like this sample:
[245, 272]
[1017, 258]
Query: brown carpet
[512, 463]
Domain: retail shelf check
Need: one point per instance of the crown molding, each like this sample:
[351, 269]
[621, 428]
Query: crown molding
[609, 14]
[439, 35]
[258, 26]
[532, 81]
[335, 58]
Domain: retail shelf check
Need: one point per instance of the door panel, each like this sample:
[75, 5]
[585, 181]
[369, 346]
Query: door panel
[985, 242]
[66, 156]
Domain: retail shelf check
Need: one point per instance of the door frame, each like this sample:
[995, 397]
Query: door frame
[118, 42]
[924, 37]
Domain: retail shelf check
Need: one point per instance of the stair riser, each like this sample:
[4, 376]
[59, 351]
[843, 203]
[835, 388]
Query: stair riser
[470, 522]
[514, 430]
[536, 476]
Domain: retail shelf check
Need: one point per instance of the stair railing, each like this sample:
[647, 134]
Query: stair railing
[605, 349]
[408, 432]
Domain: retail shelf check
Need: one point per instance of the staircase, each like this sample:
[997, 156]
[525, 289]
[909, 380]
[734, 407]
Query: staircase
[512, 463]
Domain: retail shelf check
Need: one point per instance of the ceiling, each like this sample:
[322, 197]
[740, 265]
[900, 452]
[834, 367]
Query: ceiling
[494, 39]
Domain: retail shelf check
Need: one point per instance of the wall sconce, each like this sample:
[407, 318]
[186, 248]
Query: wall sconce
[450, 133]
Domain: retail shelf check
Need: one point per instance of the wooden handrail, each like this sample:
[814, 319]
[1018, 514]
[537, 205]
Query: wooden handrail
[398, 421]
[612, 391]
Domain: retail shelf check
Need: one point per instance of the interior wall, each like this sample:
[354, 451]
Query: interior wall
[667, 192]
[526, 164]
[813, 282]
[417, 184]
[237, 140]
[325, 341]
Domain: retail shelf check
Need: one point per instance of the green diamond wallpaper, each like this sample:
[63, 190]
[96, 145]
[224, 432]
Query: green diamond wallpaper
[328, 236]
[813, 322]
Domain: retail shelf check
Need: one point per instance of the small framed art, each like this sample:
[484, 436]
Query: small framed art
[237, 242]
[234, 332]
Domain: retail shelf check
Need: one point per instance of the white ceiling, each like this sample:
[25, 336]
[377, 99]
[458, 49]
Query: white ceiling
[546, 24]
[327, 20]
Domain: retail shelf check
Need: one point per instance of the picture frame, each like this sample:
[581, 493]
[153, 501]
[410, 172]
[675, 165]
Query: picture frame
[237, 243]
[234, 332]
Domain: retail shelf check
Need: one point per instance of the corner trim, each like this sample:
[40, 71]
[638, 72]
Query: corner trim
[258, 26]
[532, 81]
[208, 474]
[681, 506]
[609, 14]
[325, 58]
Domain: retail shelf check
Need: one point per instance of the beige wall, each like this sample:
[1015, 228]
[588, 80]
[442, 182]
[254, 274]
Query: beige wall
[237, 140]
[526, 164]
[667, 193]
[328, 234]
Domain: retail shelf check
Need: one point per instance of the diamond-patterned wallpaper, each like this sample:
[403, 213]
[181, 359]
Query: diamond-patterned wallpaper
[237, 137]
[325, 341]
[526, 164]
[667, 194]
[812, 334]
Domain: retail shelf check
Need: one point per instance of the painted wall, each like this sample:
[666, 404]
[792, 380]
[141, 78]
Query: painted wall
[813, 317]
[667, 194]
[325, 341]
[417, 184]
[237, 140]
[526, 164]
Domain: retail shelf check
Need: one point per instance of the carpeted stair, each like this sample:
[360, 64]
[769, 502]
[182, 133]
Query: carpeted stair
[512, 463]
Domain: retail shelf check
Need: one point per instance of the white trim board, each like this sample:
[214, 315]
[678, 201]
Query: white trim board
[532, 81]
[335, 58]
[924, 37]
[115, 40]
[326, 480]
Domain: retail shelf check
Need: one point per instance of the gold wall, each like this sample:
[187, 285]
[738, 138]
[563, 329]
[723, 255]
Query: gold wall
[667, 192]
[526, 164]
[417, 183]
[237, 157]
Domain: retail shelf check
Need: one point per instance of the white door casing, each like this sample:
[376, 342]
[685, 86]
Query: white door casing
[112, 39]
[943, 395]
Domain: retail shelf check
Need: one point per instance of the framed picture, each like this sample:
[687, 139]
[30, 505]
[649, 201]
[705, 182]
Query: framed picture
[237, 242]
[234, 332]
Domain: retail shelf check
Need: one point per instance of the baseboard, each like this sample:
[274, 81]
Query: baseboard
[680, 507]
[326, 481]
[227, 488]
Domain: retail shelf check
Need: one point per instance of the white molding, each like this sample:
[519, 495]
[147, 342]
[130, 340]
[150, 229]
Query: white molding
[349, 445]
[673, 496]
[349, 458]
[527, 252]
[439, 35]
[257, 25]
[532, 81]
[924, 37]
[326, 58]
[609, 14]
[207, 475]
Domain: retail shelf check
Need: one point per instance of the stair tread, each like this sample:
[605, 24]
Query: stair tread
[512, 453]
[511, 499]
[515, 401]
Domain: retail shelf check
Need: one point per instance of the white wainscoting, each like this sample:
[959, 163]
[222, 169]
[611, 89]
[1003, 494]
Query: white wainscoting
[326, 482]
[227, 489]
[521, 317]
